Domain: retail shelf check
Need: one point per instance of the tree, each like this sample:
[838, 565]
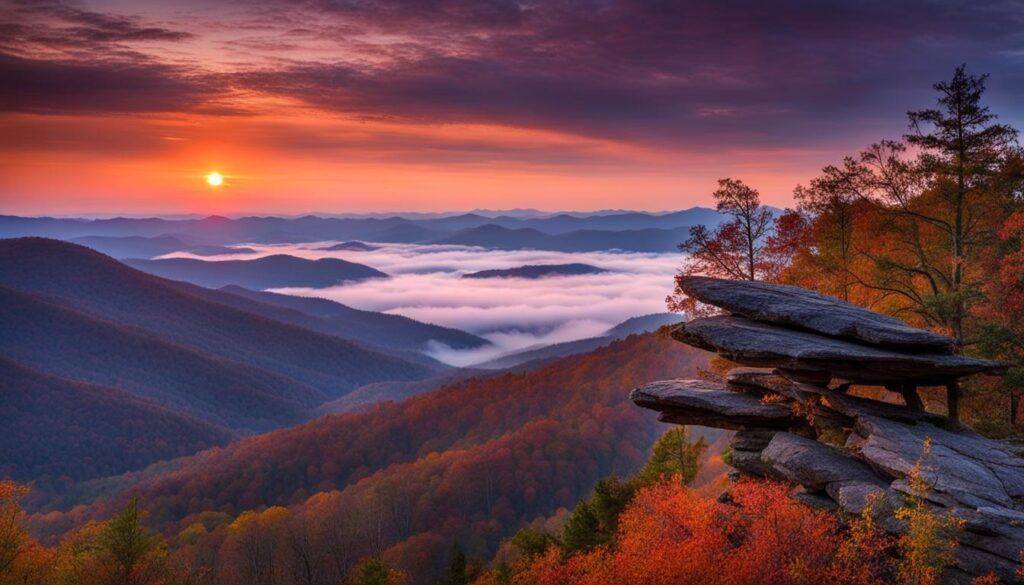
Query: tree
[734, 249]
[673, 455]
[927, 544]
[374, 571]
[832, 200]
[12, 536]
[752, 245]
[1001, 335]
[128, 553]
[456, 573]
[582, 531]
[531, 542]
[943, 207]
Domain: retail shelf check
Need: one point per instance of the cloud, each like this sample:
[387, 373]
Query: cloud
[34, 85]
[694, 74]
[684, 73]
[513, 314]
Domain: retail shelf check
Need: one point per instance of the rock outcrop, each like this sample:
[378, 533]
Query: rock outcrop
[795, 420]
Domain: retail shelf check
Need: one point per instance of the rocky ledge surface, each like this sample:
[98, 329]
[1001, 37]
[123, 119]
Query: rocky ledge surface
[796, 421]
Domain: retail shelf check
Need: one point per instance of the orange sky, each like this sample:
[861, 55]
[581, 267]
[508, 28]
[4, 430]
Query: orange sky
[123, 107]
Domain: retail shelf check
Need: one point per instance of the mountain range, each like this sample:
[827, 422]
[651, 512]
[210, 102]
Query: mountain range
[71, 312]
[630, 231]
[471, 461]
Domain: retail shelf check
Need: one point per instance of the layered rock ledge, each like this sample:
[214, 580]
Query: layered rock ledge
[795, 420]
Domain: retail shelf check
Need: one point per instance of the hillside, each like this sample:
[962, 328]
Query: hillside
[537, 271]
[58, 431]
[74, 344]
[98, 305]
[474, 460]
[372, 327]
[267, 272]
[533, 357]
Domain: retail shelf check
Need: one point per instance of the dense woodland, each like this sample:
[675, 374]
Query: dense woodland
[928, 228]
[552, 476]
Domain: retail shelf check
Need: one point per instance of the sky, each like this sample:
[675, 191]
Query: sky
[118, 106]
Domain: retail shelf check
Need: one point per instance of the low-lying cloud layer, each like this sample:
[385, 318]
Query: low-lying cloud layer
[426, 285]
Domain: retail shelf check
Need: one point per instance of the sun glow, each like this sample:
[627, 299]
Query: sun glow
[214, 179]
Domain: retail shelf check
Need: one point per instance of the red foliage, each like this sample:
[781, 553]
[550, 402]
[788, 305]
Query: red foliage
[670, 536]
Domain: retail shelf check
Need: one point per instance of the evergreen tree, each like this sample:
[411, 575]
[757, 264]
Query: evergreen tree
[673, 455]
[456, 573]
[129, 554]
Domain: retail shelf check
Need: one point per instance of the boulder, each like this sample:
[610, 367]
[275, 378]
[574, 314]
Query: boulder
[764, 345]
[805, 309]
[813, 464]
[698, 402]
[966, 467]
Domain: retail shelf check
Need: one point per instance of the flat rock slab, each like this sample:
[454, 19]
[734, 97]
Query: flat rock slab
[815, 465]
[964, 466]
[805, 309]
[752, 343]
[699, 402]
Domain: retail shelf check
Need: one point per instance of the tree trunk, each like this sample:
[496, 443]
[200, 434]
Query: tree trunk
[953, 401]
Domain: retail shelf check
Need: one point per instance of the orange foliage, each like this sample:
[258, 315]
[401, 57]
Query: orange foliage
[670, 536]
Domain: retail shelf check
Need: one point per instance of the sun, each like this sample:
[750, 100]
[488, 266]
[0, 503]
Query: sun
[214, 179]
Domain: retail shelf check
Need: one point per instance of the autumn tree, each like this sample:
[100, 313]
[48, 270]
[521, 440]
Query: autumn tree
[937, 212]
[1001, 335]
[23, 560]
[928, 542]
[13, 538]
[736, 248]
[832, 200]
[752, 245]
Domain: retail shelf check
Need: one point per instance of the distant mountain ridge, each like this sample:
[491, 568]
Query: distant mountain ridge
[537, 271]
[276, 271]
[503, 238]
[570, 231]
[143, 247]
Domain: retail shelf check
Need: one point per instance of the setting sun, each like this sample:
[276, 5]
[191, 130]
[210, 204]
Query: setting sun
[214, 179]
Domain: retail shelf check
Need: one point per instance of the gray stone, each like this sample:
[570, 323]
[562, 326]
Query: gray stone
[698, 402]
[813, 464]
[763, 345]
[855, 496]
[798, 307]
[973, 470]
[752, 439]
[750, 463]
[816, 500]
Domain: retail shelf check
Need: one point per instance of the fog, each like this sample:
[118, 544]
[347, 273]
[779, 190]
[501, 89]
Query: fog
[512, 313]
